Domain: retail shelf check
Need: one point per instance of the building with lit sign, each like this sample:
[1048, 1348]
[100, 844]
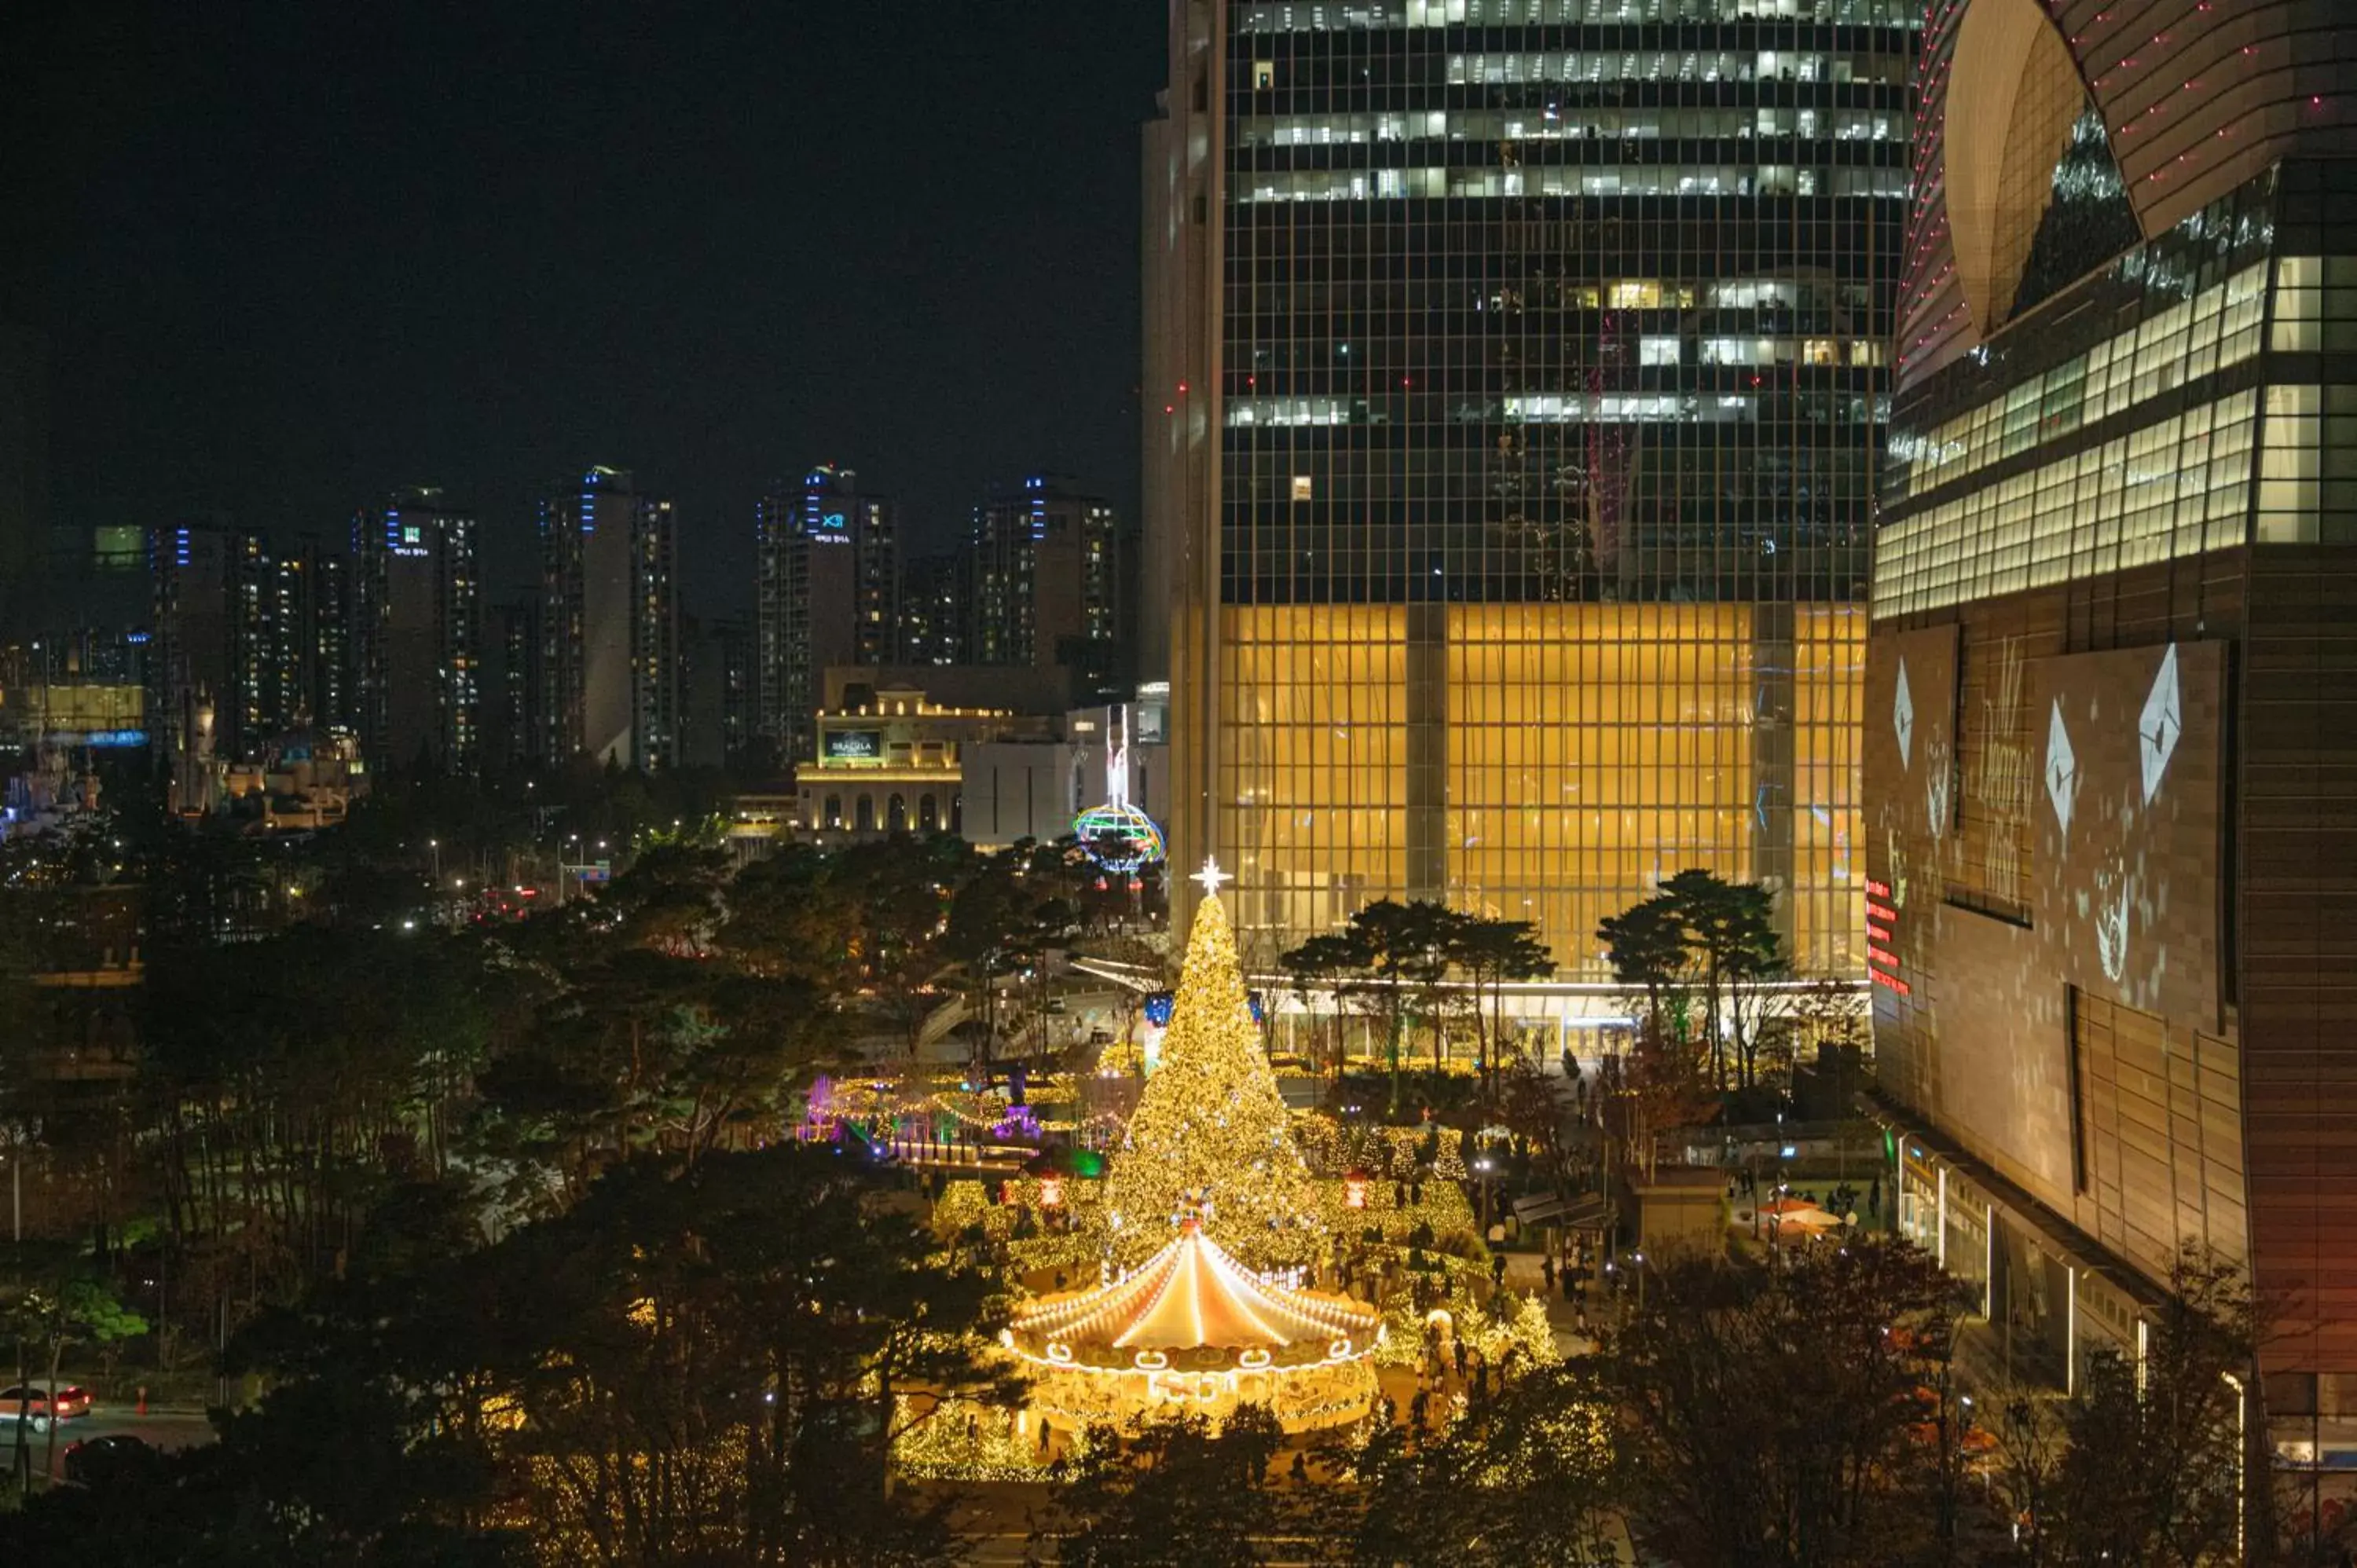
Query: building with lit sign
[1516, 378]
[989, 754]
[609, 623]
[828, 571]
[418, 620]
[2106, 739]
[890, 760]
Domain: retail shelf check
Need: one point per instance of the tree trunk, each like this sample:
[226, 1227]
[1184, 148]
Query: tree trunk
[57, 1354]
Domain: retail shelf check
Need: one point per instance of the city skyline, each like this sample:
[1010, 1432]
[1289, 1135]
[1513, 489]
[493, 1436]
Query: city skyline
[720, 350]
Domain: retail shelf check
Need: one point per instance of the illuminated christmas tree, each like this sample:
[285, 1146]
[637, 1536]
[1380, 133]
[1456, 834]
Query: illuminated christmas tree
[1210, 1130]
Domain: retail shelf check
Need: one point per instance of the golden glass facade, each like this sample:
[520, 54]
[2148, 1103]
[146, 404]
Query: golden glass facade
[1547, 762]
[1314, 721]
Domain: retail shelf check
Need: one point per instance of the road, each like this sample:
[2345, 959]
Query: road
[175, 1429]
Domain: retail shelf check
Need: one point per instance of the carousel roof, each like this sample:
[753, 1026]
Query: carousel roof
[1193, 1305]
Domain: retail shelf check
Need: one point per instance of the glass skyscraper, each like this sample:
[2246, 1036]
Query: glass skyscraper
[1517, 375]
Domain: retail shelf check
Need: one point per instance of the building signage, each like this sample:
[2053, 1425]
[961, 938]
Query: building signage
[858, 745]
[1882, 939]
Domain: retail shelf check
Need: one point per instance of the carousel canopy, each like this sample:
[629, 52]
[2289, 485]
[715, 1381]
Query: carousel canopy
[1193, 1307]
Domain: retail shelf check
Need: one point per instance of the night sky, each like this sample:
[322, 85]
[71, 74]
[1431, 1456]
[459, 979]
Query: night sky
[287, 257]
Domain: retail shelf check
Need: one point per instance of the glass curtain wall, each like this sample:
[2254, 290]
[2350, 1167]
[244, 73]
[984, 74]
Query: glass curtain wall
[1553, 383]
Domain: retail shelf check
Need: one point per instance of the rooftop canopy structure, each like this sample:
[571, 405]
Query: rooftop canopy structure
[1193, 1327]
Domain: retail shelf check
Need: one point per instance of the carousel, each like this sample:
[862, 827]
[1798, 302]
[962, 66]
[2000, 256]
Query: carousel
[1192, 1329]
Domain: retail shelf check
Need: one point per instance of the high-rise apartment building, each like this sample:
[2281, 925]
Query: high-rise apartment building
[1043, 583]
[419, 623]
[609, 623]
[2107, 746]
[215, 637]
[514, 735]
[829, 588]
[260, 630]
[933, 609]
[1515, 383]
[317, 680]
[716, 692]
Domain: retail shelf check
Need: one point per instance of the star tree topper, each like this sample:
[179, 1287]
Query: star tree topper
[1212, 877]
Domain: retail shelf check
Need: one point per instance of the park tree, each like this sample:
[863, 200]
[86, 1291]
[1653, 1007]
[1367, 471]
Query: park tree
[670, 900]
[1394, 958]
[902, 890]
[1179, 1493]
[1527, 1476]
[1490, 952]
[58, 1301]
[790, 917]
[1002, 920]
[1702, 945]
[1330, 962]
[2147, 1464]
[1803, 1415]
[1538, 1107]
[693, 1364]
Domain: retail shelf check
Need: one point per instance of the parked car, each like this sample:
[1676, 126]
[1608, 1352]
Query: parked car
[105, 1461]
[39, 1406]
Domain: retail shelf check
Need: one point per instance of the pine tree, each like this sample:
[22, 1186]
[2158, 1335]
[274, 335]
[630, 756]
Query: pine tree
[1211, 1121]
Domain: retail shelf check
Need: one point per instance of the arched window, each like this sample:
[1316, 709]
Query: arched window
[896, 815]
[867, 813]
[833, 817]
[929, 814]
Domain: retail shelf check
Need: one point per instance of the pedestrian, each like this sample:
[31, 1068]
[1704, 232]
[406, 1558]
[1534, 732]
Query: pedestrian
[1546, 1272]
[1417, 1408]
[1497, 1271]
[1874, 1197]
[1300, 1468]
[1582, 1316]
[1461, 1360]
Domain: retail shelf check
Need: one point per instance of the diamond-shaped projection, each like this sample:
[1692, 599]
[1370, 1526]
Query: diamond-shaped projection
[2061, 769]
[1902, 719]
[2158, 725]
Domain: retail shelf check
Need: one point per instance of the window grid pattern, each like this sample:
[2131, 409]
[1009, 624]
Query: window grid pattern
[1828, 866]
[1544, 126]
[2172, 490]
[2216, 328]
[1593, 749]
[1314, 709]
[1323, 16]
[1560, 358]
